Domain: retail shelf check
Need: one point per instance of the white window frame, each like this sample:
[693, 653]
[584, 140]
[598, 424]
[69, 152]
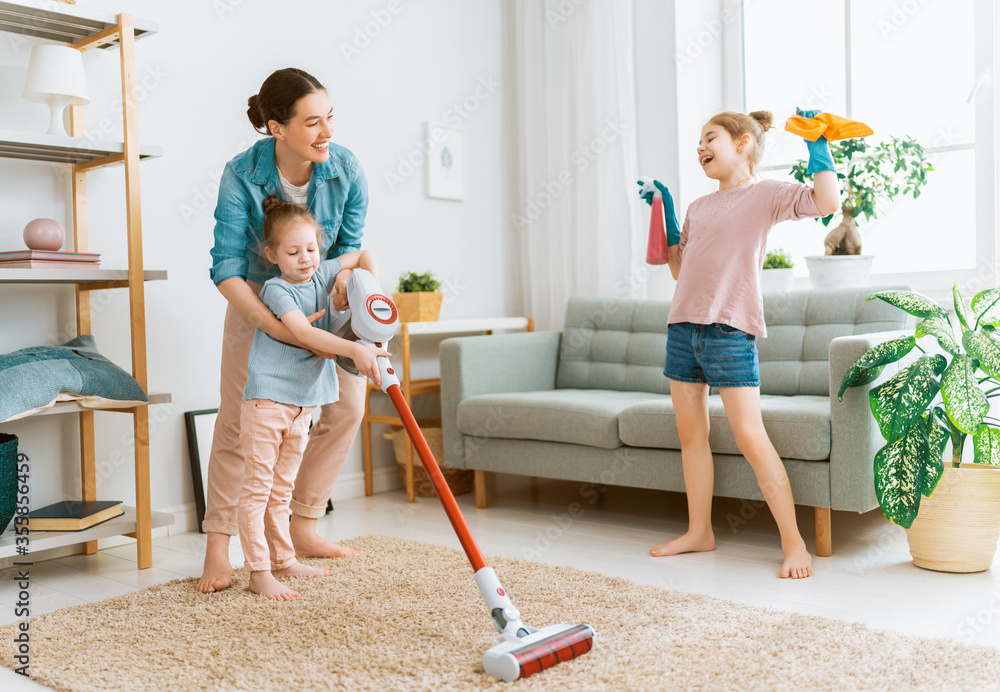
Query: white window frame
[935, 284]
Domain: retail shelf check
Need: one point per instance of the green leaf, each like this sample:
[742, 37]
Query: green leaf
[939, 328]
[963, 399]
[960, 308]
[905, 396]
[899, 472]
[937, 439]
[908, 301]
[986, 443]
[986, 307]
[985, 348]
[869, 366]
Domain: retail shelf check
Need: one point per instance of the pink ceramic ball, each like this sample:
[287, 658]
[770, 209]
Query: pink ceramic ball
[44, 234]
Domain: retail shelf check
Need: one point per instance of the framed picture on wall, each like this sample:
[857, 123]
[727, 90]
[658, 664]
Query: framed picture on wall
[200, 427]
[444, 174]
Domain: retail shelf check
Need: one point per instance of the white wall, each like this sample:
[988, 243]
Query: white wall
[388, 66]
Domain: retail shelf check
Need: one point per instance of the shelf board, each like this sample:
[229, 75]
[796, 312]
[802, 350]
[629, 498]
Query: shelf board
[62, 22]
[461, 326]
[36, 146]
[74, 407]
[46, 540]
[24, 275]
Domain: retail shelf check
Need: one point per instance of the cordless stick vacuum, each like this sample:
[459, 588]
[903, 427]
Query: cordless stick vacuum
[522, 650]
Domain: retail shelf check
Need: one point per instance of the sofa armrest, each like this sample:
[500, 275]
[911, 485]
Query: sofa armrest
[490, 365]
[854, 434]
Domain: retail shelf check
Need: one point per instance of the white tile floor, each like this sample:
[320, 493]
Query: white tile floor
[869, 579]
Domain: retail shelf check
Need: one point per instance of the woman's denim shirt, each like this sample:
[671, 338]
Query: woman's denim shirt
[338, 198]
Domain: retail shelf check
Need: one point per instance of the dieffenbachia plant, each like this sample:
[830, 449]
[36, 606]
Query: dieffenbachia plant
[914, 420]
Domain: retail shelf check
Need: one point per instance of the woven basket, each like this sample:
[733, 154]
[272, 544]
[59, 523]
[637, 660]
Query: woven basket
[958, 526]
[8, 479]
[459, 480]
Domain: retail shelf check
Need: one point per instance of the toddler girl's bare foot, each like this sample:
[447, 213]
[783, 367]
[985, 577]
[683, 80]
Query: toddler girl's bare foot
[266, 585]
[797, 564]
[300, 570]
[688, 543]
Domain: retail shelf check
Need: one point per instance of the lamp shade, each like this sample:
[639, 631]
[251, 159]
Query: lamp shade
[56, 77]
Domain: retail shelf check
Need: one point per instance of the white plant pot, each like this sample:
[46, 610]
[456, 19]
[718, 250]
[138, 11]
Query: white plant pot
[775, 280]
[839, 271]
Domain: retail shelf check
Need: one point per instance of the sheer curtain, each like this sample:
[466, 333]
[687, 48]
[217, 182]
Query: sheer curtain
[574, 216]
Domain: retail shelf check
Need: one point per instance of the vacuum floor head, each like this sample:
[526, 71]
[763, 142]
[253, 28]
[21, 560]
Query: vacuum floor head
[513, 659]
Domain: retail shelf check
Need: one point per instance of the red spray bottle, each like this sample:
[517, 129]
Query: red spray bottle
[656, 248]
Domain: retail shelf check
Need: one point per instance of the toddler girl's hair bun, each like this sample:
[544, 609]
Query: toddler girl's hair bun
[764, 118]
[274, 203]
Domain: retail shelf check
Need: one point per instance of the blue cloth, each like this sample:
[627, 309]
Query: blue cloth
[285, 373]
[820, 158]
[33, 377]
[714, 354]
[338, 198]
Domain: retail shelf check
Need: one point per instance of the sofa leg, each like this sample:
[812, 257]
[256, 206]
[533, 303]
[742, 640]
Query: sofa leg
[824, 537]
[479, 483]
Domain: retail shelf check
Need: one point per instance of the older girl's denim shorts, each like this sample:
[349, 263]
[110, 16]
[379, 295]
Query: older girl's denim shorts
[714, 354]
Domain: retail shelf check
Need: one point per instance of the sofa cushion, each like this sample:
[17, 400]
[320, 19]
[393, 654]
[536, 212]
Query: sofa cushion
[799, 426]
[578, 416]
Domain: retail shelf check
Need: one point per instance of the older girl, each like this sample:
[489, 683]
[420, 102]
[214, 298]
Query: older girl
[717, 314]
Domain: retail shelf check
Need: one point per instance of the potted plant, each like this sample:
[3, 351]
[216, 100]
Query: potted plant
[777, 271]
[417, 299]
[869, 175]
[934, 400]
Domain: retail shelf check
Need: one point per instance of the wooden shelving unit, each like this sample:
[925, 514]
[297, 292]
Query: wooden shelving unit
[86, 29]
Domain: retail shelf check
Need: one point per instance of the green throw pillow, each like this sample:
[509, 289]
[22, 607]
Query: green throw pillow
[33, 378]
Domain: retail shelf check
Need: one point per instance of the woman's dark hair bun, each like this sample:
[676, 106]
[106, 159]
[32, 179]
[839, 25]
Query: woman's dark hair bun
[253, 112]
[273, 203]
[764, 118]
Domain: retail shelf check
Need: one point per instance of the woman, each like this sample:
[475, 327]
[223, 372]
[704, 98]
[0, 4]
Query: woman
[300, 164]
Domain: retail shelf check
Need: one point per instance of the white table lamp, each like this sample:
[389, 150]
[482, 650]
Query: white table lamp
[56, 77]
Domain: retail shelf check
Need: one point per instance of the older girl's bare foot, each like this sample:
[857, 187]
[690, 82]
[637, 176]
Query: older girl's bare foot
[217, 574]
[266, 585]
[688, 543]
[300, 570]
[310, 544]
[798, 562]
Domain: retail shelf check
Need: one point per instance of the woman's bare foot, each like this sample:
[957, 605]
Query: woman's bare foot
[300, 570]
[266, 585]
[798, 562]
[310, 544]
[217, 574]
[688, 543]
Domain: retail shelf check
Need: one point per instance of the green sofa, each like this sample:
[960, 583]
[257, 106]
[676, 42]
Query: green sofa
[591, 404]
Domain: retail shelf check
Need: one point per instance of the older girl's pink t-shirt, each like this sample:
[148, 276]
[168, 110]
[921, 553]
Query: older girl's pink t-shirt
[722, 249]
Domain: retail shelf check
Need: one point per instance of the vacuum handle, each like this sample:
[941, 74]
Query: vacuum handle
[434, 473]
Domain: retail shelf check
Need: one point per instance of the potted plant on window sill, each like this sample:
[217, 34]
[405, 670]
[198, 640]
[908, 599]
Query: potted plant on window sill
[417, 299]
[776, 274]
[931, 401]
[869, 174]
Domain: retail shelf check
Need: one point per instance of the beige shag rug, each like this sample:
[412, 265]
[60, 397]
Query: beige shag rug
[407, 616]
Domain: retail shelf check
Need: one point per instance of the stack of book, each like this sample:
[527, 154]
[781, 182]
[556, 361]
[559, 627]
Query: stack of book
[73, 515]
[42, 259]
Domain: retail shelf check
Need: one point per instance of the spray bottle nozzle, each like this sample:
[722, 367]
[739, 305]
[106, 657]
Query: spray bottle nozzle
[649, 187]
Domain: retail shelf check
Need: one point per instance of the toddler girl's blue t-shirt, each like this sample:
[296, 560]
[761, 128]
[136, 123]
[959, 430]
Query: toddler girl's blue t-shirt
[285, 373]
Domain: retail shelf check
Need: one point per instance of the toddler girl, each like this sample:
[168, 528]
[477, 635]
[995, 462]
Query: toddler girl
[284, 386]
[717, 314]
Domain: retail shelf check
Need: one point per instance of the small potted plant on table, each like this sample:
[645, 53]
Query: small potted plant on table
[933, 400]
[417, 299]
[868, 174]
[776, 274]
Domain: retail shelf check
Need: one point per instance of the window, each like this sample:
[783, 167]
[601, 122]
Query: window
[905, 67]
